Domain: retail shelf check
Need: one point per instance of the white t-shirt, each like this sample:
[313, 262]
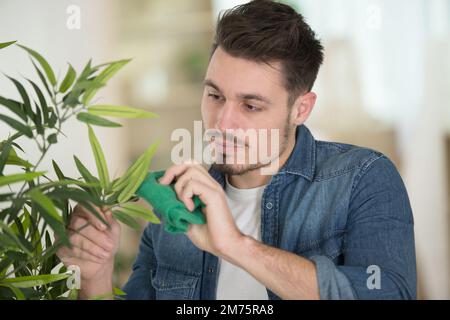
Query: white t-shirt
[234, 282]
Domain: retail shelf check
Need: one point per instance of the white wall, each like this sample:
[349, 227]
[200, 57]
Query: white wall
[41, 25]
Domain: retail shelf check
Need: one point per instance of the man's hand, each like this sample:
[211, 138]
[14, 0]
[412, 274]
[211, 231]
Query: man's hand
[94, 246]
[220, 233]
[284, 273]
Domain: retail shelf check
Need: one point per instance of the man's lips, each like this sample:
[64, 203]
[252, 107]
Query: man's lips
[228, 144]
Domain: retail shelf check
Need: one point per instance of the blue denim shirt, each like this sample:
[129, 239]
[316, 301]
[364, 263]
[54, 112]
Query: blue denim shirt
[343, 207]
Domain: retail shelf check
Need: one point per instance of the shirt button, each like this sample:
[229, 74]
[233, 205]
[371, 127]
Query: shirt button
[210, 270]
[269, 205]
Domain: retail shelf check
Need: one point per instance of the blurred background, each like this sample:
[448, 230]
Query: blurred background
[385, 84]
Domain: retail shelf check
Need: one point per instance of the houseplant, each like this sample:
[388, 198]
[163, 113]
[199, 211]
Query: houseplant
[36, 207]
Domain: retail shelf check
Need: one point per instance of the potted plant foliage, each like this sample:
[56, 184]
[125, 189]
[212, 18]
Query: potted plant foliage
[35, 208]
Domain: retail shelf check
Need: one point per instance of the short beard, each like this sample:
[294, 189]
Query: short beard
[241, 169]
[236, 170]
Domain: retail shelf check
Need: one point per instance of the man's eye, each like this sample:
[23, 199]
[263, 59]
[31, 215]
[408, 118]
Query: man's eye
[251, 108]
[214, 96]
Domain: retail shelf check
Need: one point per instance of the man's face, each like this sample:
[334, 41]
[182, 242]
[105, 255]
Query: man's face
[242, 94]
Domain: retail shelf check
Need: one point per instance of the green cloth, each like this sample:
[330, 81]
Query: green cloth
[163, 198]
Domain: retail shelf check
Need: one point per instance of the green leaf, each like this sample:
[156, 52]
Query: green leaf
[14, 106]
[26, 219]
[17, 227]
[49, 214]
[73, 294]
[6, 44]
[96, 120]
[9, 236]
[75, 194]
[7, 244]
[4, 266]
[67, 182]
[102, 168]
[6, 196]
[87, 176]
[34, 281]
[44, 64]
[72, 98]
[68, 79]
[103, 77]
[135, 180]
[83, 198]
[126, 219]
[37, 119]
[42, 101]
[19, 294]
[58, 171]
[24, 95]
[16, 161]
[45, 202]
[137, 211]
[87, 71]
[9, 156]
[53, 118]
[51, 261]
[17, 125]
[6, 148]
[12, 152]
[41, 76]
[119, 111]
[53, 138]
[34, 226]
[119, 292]
[88, 84]
[124, 180]
[18, 177]
[17, 146]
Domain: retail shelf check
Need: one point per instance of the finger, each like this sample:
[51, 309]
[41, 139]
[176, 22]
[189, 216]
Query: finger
[173, 172]
[192, 229]
[80, 242]
[69, 261]
[183, 179]
[84, 255]
[84, 244]
[89, 216]
[198, 188]
[75, 252]
[203, 172]
[196, 172]
[78, 223]
[97, 237]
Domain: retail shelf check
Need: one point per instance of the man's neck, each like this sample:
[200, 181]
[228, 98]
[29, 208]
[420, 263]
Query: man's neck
[254, 178]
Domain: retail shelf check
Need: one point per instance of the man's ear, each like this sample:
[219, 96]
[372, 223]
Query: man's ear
[302, 107]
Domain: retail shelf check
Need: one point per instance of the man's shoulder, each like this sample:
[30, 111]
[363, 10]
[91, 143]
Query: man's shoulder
[334, 159]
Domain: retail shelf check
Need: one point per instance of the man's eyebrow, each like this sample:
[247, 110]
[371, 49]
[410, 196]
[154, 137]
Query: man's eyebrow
[211, 83]
[254, 96]
[243, 96]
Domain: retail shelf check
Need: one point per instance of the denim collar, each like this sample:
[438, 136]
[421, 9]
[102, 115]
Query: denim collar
[302, 160]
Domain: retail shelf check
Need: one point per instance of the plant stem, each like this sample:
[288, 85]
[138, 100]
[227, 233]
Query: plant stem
[44, 152]
[45, 148]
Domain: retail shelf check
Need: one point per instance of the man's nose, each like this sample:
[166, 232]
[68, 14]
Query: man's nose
[228, 118]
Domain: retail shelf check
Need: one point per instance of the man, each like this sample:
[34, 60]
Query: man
[333, 222]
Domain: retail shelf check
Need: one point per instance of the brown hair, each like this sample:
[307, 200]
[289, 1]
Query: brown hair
[267, 31]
